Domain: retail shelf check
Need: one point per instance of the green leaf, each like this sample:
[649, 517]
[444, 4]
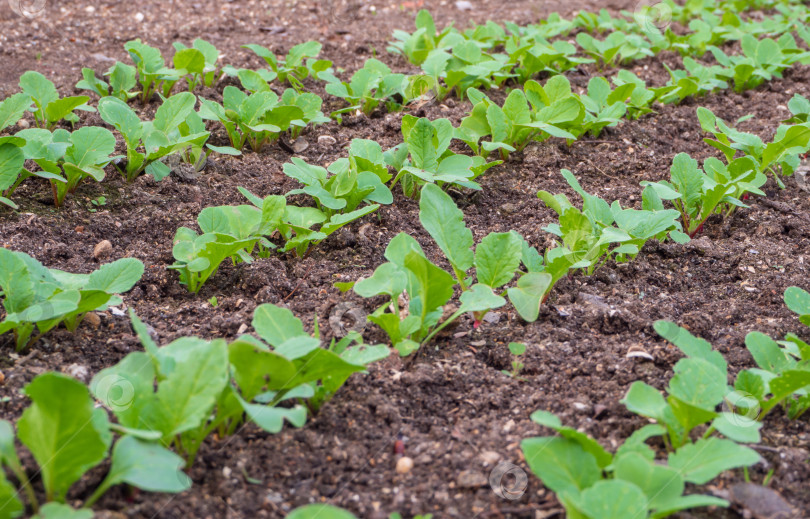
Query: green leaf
[767, 353]
[704, 460]
[12, 161]
[445, 223]
[276, 325]
[562, 464]
[90, 146]
[40, 88]
[63, 431]
[420, 146]
[60, 511]
[738, 427]
[13, 108]
[430, 287]
[698, 383]
[497, 258]
[798, 301]
[174, 111]
[661, 484]
[117, 113]
[10, 505]
[186, 396]
[147, 466]
[602, 457]
[116, 277]
[480, 298]
[61, 108]
[613, 499]
[320, 512]
[529, 293]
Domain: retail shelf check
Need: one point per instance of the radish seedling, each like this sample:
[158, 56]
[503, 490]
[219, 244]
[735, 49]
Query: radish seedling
[592, 483]
[496, 259]
[149, 64]
[121, 81]
[67, 436]
[159, 138]
[298, 65]
[369, 87]
[256, 118]
[49, 107]
[761, 60]
[67, 158]
[698, 195]
[38, 299]
[780, 157]
[210, 72]
[190, 388]
[416, 47]
[698, 387]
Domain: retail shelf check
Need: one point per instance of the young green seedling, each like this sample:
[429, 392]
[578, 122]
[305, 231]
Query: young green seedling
[67, 436]
[298, 65]
[517, 349]
[497, 259]
[592, 483]
[158, 139]
[67, 158]
[49, 107]
[205, 386]
[257, 118]
[697, 389]
[37, 299]
[698, 195]
[121, 82]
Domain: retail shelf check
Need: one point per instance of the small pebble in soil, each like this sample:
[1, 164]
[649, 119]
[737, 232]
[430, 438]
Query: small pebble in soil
[92, 319]
[404, 465]
[2, 378]
[102, 249]
[326, 140]
[78, 372]
[471, 479]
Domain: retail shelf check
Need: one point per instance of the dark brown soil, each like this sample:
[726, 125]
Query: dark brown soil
[454, 410]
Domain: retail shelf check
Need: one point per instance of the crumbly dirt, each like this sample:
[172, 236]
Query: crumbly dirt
[456, 413]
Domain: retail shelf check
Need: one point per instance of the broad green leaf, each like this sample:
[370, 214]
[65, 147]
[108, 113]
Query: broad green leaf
[562, 464]
[62, 511]
[704, 460]
[497, 258]
[798, 300]
[445, 223]
[320, 512]
[738, 427]
[275, 324]
[116, 277]
[547, 419]
[147, 466]
[117, 113]
[13, 108]
[613, 499]
[186, 396]
[429, 286]
[480, 298]
[421, 147]
[257, 370]
[90, 146]
[174, 111]
[12, 161]
[63, 431]
[767, 353]
[658, 482]
[528, 294]
[10, 505]
[40, 88]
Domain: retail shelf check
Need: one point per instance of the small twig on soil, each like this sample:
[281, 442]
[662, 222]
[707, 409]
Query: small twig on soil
[600, 171]
[595, 142]
[783, 208]
[519, 510]
[306, 274]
